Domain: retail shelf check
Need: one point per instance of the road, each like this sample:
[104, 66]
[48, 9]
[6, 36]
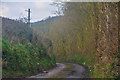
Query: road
[67, 70]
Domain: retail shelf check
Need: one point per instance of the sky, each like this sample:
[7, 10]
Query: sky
[40, 9]
[16, 10]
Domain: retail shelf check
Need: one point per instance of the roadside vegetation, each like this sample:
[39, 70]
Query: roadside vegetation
[82, 33]
[25, 59]
[85, 33]
[21, 55]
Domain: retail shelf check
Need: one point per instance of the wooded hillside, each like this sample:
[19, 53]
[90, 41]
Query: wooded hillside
[87, 34]
[23, 51]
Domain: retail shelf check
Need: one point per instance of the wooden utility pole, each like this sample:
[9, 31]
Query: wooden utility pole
[28, 17]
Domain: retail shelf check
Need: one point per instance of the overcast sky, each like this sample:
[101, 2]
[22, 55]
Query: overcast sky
[39, 10]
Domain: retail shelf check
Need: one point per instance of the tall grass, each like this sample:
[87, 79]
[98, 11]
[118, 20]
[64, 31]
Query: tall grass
[97, 70]
[84, 59]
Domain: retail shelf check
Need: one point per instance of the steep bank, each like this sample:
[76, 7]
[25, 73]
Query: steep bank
[23, 51]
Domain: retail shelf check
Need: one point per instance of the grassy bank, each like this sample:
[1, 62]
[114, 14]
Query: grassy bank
[21, 59]
[107, 70]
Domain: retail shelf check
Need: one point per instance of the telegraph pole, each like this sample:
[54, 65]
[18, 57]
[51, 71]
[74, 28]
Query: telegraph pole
[28, 17]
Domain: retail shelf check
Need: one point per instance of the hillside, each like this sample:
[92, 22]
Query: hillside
[23, 51]
[87, 34]
[85, 39]
[45, 25]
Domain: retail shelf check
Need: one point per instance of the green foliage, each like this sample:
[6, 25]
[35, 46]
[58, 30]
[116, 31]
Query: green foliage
[21, 59]
[81, 36]
[83, 59]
